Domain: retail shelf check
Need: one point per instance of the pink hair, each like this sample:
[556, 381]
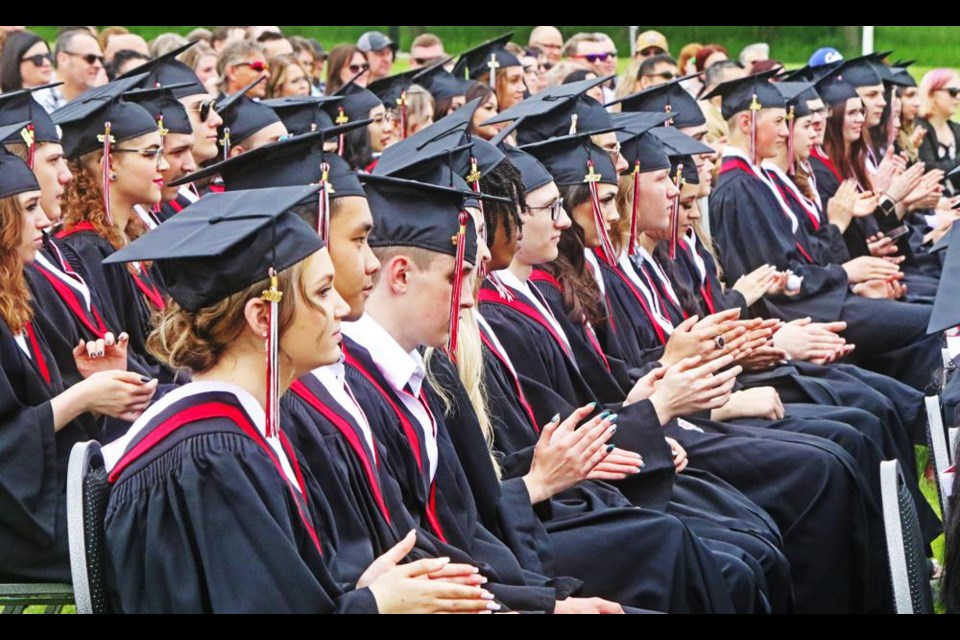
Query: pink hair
[933, 81]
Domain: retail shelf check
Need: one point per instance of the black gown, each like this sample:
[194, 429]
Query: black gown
[202, 518]
[33, 476]
[751, 229]
[774, 469]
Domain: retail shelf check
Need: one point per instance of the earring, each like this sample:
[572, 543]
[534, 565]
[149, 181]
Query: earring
[113, 177]
[264, 334]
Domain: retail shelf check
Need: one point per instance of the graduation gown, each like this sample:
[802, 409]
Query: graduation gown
[207, 516]
[775, 470]
[751, 228]
[33, 476]
[128, 301]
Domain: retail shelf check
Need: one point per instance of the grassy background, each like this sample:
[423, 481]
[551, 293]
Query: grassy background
[931, 45]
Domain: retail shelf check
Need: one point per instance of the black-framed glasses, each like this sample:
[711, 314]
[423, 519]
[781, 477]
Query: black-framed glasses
[554, 208]
[205, 108]
[39, 59]
[89, 58]
[953, 91]
[357, 68]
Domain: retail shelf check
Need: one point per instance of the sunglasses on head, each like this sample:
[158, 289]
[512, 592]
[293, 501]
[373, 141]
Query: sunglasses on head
[39, 59]
[357, 68]
[89, 58]
[953, 91]
[257, 65]
[598, 57]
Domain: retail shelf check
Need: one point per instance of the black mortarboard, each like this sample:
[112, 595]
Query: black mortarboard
[440, 137]
[441, 83]
[391, 88]
[669, 98]
[797, 95]
[863, 71]
[541, 104]
[638, 142]
[83, 120]
[946, 306]
[244, 116]
[679, 143]
[356, 105]
[474, 63]
[15, 176]
[303, 114]
[286, 163]
[741, 94]
[532, 171]
[835, 90]
[20, 106]
[687, 166]
[414, 214]
[900, 76]
[166, 70]
[162, 104]
[225, 242]
[567, 159]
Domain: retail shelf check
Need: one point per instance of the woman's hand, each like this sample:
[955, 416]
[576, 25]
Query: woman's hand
[118, 394]
[881, 246]
[807, 341]
[690, 387]
[867, 268]
[902, 184]
[619, 465]
[565, 455]
[695, 337]
[926, 195]
[424, 586]
[587, 606]
[756, 284]
[840, 206]
[916, 138]
[881, 289]
[760, 402]
[106, 354]
[680, 460]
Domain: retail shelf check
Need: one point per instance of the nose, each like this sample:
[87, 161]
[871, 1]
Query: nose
[563, 222]
[342, 309]
[189, 164]
[467, 301]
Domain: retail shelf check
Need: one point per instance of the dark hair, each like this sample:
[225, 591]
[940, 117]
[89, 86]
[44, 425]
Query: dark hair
[577, 76]
[850, 164]
[651, 63]
[581, 293]
[339, 58]
[478, 90]
[14, 47]
[441, 108]
[122, 57]
[504, 181]
[356, 149]
[688, 301]
[879, 135]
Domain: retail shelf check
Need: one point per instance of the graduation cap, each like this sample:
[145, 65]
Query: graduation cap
[946, 306]
[426, 216]
[542, 103]
[161, 102]
[835, 90]
[441, 83]
[798, 95]
[15, 175]
[20, 106]
[900, 76]
[100, 119]
[686, 168]
[575, 160]
[392, 88]
[863, 71]
[243, 237]
[669, 98]
[532, 172]
[751, 94]
[303, 114]
[679, 143]
[166, 70]
[356, 104]
[486, 58]
[242, 117]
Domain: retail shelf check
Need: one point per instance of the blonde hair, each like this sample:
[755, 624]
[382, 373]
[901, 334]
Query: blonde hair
[191, 57]
[197, 340]
[14, 296]
[419, 104]
[627, 80]
[278, 73]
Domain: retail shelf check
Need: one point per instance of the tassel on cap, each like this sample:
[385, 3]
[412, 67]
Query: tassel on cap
[754, 113]
[323, 215]
[273, 296]
[402, 103]
[343, 118]
[493, 65]
[105, 164]
[460, 240]
[635, 213]
[791, 127]
[606, 247]
[225, 143]
[28, 133]
[675, 214]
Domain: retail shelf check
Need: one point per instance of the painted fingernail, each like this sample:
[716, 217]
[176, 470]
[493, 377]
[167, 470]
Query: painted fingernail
[145, 379]
[612, 430]
[611, 447]
[483, 580]
[493, 606]
[486, 595]
[555, 418]
[99, 354]
[604, 415]
[613, 418]
[592, 405]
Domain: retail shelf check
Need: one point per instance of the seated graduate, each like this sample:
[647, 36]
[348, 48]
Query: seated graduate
[361, 148]
[449, 92]
[116, 155]
[247, 495]
[247, 123]
[493, 65]
[583, 523]
[409, 108]
[41, 417]
[753, 226]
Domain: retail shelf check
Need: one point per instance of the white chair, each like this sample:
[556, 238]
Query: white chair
[939, 451]
[87, 494]
[909, 568]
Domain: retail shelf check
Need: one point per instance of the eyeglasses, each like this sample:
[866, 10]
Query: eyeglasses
[597, 57]
[39, 59]
[953, 91]
[89, 58]
[822, 111]
[357, 68]
[205, 108]
[666, 75]
[154, 153]
[554, 209]
[613, 152]
[257, 65]
[387, 117]
[650, 52]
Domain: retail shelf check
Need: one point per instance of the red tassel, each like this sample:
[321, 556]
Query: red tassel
[606, 247]
[461, 240]
[754, 112]
[402, 101]
[323, 214]
[273, 296]
[675, 215]
[635, 213]
[107, 140]
[28, 133]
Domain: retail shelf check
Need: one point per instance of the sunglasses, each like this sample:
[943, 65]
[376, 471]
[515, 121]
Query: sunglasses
[666, 75]
[89, 58]
[257, 65]
[39, 59]
[650, 51]
[357, 68]
[598, 57]
[953, 91]
[205, 108]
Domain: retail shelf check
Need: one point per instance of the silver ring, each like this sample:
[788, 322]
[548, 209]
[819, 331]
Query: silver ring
[720, 343]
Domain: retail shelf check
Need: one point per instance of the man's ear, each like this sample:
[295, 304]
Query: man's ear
[236, 150]
[396, 274]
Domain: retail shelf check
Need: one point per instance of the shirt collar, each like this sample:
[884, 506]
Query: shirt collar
[401, 369]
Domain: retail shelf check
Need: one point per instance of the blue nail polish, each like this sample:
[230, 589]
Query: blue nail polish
[613, 418]
[592, 405]
[611, 447]
[604, 415]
